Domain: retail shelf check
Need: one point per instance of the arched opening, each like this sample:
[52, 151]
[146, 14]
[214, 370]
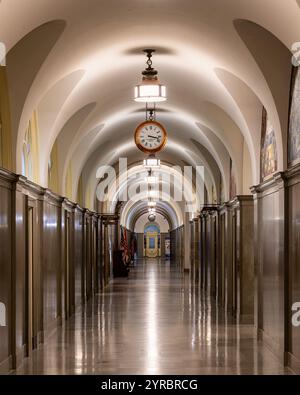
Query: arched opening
[152, 242]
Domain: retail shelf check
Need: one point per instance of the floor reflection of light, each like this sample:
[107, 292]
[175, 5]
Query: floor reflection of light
[78, 345]
[152, 338]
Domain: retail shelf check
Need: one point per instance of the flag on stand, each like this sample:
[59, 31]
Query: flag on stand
[124, 247]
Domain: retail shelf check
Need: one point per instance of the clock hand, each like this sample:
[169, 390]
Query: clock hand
[153, 137]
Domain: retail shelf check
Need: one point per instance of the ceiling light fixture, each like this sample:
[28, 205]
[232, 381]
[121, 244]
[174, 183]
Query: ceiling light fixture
[152, 217]
[150, 90]
[151, 162]
[151, 179]
[153, 195]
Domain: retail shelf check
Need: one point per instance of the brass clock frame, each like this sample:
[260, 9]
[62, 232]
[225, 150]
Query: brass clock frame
[138, 140]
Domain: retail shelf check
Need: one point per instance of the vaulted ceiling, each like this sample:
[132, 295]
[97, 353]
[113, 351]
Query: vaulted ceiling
[76, 63]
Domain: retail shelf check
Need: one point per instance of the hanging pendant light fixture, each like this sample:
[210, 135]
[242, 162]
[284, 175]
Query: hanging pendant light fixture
[151, 217]
[152, 162]
[151, 178]
[150, 90]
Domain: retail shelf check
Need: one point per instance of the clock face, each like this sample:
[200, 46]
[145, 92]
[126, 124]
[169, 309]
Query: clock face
[150, 136]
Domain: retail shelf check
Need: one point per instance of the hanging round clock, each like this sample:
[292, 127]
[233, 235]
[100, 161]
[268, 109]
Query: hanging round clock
[150, 137]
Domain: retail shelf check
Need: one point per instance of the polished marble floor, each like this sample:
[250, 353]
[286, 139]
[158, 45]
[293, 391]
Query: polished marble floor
[154, 322]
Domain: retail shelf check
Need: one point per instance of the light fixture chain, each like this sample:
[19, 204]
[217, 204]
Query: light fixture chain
[151, 113]
[149, 61]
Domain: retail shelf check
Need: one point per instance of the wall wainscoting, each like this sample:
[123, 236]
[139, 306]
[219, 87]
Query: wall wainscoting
[249, 260]
[51, 261]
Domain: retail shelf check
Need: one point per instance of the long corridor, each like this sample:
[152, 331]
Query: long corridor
[154, 322]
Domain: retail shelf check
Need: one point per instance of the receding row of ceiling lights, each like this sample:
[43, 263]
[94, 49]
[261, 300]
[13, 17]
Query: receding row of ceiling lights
[150, 90]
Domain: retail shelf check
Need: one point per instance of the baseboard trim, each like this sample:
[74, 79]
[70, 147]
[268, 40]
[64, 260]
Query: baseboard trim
[40, 337]
[19, 357]
[7, 365]
[276, 349]
[293, 363]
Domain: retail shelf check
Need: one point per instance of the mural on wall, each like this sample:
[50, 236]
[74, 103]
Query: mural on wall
[268, 155]
[232, 181]
[294, 122]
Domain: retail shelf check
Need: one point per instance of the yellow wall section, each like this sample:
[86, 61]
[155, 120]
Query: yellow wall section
[68, 186]
[6, 158]
[53, 181]
[35, 147]
[31, 150]
[88, 202]
[80, 192]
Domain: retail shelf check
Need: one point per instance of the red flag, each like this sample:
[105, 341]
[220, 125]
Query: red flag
[124, 246]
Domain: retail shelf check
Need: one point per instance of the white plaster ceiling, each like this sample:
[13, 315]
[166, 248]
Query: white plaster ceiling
[143, 221]
[205, 56]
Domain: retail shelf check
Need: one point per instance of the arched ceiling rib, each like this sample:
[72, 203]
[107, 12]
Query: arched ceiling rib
[24, 60]
[124, 146]
[257, 39]
[105, 38]
[170, 210]
[48, 110]
[251, 108]
[143, 212]
[143, 221]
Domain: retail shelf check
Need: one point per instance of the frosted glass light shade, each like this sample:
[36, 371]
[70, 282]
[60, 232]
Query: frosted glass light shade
[151, 180]
[151, 162]
[150, 93]
[153, 194]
